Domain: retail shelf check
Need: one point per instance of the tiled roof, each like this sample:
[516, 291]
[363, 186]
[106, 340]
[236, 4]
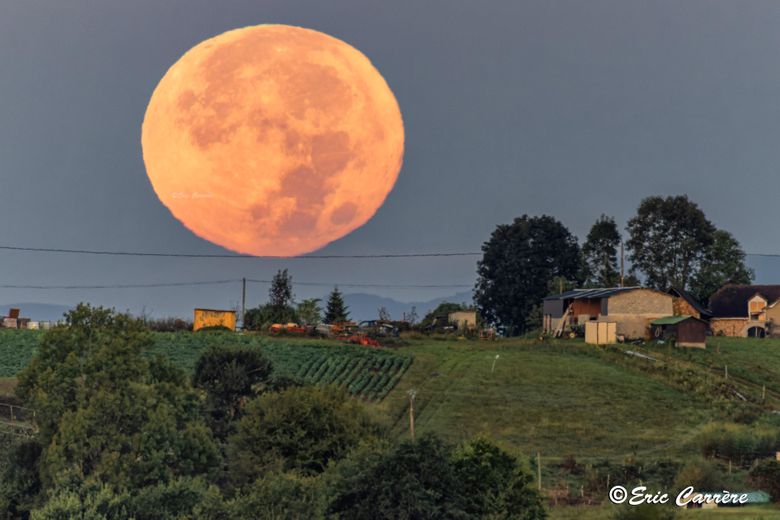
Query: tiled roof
[731, 301]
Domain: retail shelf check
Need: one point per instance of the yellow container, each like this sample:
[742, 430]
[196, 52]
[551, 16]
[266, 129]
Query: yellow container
[214, 318]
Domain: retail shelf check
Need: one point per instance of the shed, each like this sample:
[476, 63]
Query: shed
[687, 331]
[463, 319]
[214, 318]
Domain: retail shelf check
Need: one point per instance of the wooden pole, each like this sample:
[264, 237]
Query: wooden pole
[412, 395]
[243, 303]
[539, 470]
[622, 264]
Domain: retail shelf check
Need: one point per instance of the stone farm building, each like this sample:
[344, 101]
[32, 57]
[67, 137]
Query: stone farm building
[746, 311]
[631, 308]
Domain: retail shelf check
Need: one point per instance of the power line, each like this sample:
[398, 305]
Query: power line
[376, 285]
[428, 254]
[233, 256]
[220, 282]
[118, 286]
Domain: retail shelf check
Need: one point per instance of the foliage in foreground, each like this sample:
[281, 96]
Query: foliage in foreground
[122, 436]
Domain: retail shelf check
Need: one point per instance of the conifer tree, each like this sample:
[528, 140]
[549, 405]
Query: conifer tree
[336, 310]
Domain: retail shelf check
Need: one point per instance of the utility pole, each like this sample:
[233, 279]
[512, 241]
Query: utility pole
[622, 264]
[412, 394]
[243, 303]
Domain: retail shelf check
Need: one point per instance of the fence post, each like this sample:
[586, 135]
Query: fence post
[539, 470]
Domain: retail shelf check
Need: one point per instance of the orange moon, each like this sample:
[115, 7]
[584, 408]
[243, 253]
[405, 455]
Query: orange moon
[272, 140]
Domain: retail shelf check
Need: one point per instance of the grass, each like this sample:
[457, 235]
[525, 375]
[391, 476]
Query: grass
[754, 360]
[557, 399]
[606, 512]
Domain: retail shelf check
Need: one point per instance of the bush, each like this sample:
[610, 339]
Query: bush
[766, 475]
[703, 475]
[738, 443]
[429, 479]
[300, 429]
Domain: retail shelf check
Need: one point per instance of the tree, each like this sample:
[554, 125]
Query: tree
[309, 312]
[383, 314]
[725, 264]
[600, 253]
[336, 311]
[300, 429]
[495, 486]
[669, 238]
[230, 376]
[428, 479]
[280, 295]
[108, 414]
[518, 262]
[765, 474]
[280, 298]
[411, 316]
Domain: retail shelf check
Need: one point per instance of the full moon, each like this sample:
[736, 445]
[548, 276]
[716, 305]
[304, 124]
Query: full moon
[272, 140]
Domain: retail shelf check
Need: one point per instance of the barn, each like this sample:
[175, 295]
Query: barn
[686, 331]
[631, 308]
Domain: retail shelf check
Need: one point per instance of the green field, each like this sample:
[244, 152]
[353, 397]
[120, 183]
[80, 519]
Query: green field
[365, 372]
[557, 399]
[562, 399]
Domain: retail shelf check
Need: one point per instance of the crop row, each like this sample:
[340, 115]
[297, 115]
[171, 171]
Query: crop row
[368, 373]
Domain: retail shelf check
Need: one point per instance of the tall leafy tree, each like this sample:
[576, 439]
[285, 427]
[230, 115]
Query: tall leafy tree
[427, 478]
[279, 308]
[518, 262]
[336, 310]
[107, 413]
[725, 264]
[309, 312]
[668, 240]
[600, 252]
[230, 376]
[301, 429]
[280, 294]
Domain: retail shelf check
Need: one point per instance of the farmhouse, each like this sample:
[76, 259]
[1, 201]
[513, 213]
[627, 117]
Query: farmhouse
[746, 311]
[630, 308]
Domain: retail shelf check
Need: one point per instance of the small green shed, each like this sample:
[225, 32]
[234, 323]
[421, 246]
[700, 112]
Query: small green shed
[686, 331]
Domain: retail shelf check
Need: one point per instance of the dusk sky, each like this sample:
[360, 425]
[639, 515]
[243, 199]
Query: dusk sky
[567, 108]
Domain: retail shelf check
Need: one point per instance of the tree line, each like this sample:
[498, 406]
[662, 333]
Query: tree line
[670, 244]
[281, 307]
[123, 435]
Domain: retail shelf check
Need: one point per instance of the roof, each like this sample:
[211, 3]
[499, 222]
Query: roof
[693, 302]
[670, 320]
[732, 300]
[587, 294]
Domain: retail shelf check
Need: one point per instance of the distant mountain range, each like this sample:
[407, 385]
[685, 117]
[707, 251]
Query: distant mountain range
[362, 306]
[366, 306]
